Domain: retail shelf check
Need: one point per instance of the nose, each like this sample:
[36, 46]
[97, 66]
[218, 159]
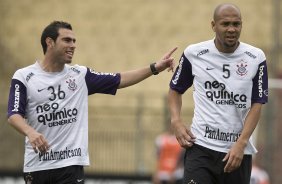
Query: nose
[73, 45]
[231, 28]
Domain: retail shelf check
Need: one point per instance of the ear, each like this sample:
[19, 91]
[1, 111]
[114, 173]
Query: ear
[213, 25]
[50, 42]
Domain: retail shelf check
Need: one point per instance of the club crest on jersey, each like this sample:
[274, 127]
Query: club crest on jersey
[71, 84]
[241, 68]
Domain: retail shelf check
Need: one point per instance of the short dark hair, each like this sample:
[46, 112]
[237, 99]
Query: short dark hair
[52, 31]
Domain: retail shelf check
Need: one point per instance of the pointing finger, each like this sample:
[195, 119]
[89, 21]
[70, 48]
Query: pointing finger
[170, 53]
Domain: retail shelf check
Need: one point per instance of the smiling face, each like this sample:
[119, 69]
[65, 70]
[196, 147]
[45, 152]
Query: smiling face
[63, 48]
[227, 25]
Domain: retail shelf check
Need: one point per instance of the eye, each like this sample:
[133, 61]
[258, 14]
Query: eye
[237, 24]
[225, 24]
[68, 40]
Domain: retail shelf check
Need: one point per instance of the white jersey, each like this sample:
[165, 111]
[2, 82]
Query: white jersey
[56, 105]
[225, 86]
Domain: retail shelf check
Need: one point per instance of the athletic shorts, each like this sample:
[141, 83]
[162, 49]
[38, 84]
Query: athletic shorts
[205, 166]
[66, 175]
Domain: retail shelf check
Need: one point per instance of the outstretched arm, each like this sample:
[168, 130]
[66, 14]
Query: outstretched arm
[134, 76]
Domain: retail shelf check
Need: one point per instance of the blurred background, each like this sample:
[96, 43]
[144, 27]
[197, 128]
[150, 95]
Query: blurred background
[119, 35]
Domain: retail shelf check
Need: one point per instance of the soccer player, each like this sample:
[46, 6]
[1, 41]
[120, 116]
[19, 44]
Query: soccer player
[230, 85]
[48, 104]
[169, 168]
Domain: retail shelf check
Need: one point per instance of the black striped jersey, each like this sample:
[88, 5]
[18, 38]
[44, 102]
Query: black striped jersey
[224, 87]
[56, 105]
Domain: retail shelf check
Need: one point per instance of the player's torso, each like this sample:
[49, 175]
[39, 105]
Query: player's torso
[57, 108]
[223, 81]
[53, 99]
[224, 78]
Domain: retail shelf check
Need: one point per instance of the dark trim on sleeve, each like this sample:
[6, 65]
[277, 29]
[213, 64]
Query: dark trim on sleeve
[17, 98]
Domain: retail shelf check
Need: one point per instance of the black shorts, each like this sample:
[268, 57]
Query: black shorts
[205, 166]
[65, 175]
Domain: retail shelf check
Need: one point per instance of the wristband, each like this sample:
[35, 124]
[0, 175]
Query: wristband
[153, 69]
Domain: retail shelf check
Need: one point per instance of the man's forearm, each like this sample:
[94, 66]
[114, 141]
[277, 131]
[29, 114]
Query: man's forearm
[134, 76]
[18, 122]
[175, 104]
[250, 124]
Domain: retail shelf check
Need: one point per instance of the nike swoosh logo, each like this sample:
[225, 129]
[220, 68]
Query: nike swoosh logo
[39, 90]
[209, 68]
[79, 180]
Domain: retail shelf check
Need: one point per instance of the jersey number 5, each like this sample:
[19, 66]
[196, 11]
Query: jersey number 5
[226, 71]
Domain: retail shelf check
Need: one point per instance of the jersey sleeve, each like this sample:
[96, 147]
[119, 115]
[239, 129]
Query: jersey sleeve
[98, 82]
[260, 85]
[183, 77]
[17, 98]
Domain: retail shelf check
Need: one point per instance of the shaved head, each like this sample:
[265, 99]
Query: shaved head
[227, 25]
[225, 7]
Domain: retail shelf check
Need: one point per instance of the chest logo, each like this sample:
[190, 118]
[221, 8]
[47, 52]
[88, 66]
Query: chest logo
[242, 68]
[71, 84]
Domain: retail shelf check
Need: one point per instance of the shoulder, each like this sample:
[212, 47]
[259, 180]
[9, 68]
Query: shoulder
[249, 46]
[198, 48]
[253, 52]
[77, 69]
[24, 74]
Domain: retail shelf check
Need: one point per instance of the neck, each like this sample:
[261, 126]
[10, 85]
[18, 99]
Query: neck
[51, 65]
[225, 49]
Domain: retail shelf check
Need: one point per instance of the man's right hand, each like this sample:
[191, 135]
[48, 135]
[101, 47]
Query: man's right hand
[38, 142]
[183, 135]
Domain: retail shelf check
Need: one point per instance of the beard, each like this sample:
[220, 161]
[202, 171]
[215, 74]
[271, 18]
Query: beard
[68, 61]
[230, 45]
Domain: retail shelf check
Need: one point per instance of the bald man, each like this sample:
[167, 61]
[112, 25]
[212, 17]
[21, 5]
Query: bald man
[230, 85]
